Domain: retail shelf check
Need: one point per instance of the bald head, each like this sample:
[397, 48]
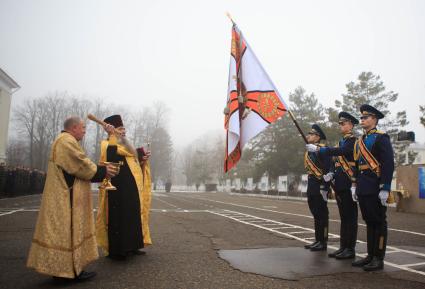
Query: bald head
[71, 121]
[75, 126]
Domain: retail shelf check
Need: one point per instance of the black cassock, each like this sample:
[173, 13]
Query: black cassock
[124, 221]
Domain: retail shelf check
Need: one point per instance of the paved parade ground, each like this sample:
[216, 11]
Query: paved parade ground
[220, 240]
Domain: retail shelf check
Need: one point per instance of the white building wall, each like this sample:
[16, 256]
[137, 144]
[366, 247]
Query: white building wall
[4, 122]
[7, 87]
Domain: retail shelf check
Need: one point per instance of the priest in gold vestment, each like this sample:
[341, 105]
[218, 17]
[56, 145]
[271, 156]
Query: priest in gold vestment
[64, 240]
[122, 219]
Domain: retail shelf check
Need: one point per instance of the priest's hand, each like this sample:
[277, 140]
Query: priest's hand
[109, 128]
[146, 156]
[111, 170]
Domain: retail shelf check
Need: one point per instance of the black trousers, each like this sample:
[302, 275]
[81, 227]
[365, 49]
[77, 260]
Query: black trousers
[348, 213]
[319, 210]
[374, 214]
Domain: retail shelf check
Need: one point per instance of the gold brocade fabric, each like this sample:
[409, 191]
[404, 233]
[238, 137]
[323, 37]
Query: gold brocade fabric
[64, 240]
[141, 174]
[147, 199]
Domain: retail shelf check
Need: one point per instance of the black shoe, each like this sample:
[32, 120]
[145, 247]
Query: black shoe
[321, 246]
[138, 252]
[311, 245]
[374, 265]
[84, 276]
[362, 262]
[63, 279]
[334, 253]
[346, 254]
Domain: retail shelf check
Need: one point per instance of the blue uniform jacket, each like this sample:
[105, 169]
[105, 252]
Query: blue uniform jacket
[314, 184]
[345, 148]
[368, 182]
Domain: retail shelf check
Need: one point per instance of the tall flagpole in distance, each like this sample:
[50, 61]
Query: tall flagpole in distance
[291, 115]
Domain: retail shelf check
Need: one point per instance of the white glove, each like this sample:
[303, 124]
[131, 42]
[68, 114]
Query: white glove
[311, 148]
[383, 196]
[354, 195]
[328, 177]
[324, 195]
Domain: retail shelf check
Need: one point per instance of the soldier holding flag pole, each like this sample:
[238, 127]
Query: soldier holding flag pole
[343, 174]
[317, 189]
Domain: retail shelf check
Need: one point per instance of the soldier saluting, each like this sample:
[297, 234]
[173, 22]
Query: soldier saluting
[374, 157]
[317, 189]
[343, 174]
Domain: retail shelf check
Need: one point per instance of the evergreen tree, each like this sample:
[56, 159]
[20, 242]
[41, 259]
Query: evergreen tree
[370, 89]
[279, 150]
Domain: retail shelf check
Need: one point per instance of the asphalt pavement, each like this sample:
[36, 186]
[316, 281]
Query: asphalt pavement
[220, 240]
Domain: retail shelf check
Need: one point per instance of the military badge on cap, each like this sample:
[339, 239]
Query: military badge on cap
[367, 109]
[315, 129]
[345, 116]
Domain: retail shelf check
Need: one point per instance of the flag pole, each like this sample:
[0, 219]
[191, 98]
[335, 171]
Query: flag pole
[298, 126]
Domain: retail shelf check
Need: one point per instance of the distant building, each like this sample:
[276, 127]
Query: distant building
[7, 87]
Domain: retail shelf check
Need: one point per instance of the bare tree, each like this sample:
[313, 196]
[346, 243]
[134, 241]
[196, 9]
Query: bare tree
[25, 121]
[160, 115]
[38, 121]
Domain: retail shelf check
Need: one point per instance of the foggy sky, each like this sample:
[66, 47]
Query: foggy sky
[136, 52]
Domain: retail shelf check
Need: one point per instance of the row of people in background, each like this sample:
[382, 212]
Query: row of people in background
[66, 236]
[20, 181]
[360, 171]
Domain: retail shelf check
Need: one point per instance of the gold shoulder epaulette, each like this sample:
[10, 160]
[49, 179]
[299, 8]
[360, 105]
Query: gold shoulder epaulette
[379, 132]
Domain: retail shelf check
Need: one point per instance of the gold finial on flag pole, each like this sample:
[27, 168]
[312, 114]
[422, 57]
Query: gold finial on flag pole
[230, 17]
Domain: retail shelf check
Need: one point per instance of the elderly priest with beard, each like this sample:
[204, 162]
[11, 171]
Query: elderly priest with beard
[119, 224]
[64, 240]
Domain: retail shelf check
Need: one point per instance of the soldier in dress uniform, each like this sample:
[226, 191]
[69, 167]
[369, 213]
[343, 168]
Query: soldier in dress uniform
[10, 186]
[374, 157]
[317, 189]
[3, 174]
[343, 174]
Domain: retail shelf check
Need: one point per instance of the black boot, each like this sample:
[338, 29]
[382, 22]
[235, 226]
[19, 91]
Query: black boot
[311, 245]
[322, 235]
[380, 242]
[321, 246]
[334, 253]
[362, 262]
[352, 228]
[308, 246]
[346, 254]
[370, 240]
[374, 265]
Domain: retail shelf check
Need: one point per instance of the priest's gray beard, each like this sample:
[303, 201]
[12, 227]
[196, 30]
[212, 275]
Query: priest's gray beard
[128, 145]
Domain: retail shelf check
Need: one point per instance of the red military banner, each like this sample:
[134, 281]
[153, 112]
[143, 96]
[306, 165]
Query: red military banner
[253, 102]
